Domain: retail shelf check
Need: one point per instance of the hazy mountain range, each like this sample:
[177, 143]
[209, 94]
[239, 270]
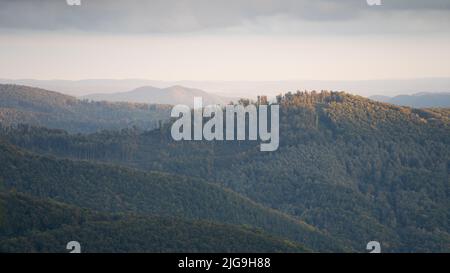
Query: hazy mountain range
[247, 89]
[419, 100]
[171, 95]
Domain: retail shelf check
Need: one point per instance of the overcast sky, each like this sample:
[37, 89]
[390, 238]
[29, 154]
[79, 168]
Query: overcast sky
[225, 40]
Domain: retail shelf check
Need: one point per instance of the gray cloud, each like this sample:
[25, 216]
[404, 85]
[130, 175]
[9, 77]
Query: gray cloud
[178, 16]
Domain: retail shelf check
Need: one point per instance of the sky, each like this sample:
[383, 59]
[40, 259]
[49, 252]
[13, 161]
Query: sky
[257, 40]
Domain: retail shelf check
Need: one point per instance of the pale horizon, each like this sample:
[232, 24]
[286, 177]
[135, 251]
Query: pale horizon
[225, 41]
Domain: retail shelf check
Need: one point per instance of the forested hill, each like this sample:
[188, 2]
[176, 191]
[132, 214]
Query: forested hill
[359, 170]
[29, 105]
[28, 224]
[113, 189]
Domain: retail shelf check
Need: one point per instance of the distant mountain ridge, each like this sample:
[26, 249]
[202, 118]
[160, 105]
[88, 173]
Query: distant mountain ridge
[419, 100]
[246, 89]
[171, 95]
[34, 106]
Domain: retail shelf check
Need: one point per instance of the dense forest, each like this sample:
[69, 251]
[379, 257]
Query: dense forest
[115, 189]
[348, 171]
[33, 225]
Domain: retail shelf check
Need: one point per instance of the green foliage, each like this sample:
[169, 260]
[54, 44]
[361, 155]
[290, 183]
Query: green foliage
[115, 189]
[356, 169]
[34, 225]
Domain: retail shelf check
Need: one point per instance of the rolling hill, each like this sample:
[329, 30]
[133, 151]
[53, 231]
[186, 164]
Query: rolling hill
[354, 169]
[34, 106]
[29, 224]
[113, 189]
[171, 95]
[357, 169]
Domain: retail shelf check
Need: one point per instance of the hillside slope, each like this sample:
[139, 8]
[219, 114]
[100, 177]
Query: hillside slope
[29, 105]
[28, 224]
[358, 169]
[115, 189]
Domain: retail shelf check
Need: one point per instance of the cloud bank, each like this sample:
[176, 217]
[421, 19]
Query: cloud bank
[240, 16]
